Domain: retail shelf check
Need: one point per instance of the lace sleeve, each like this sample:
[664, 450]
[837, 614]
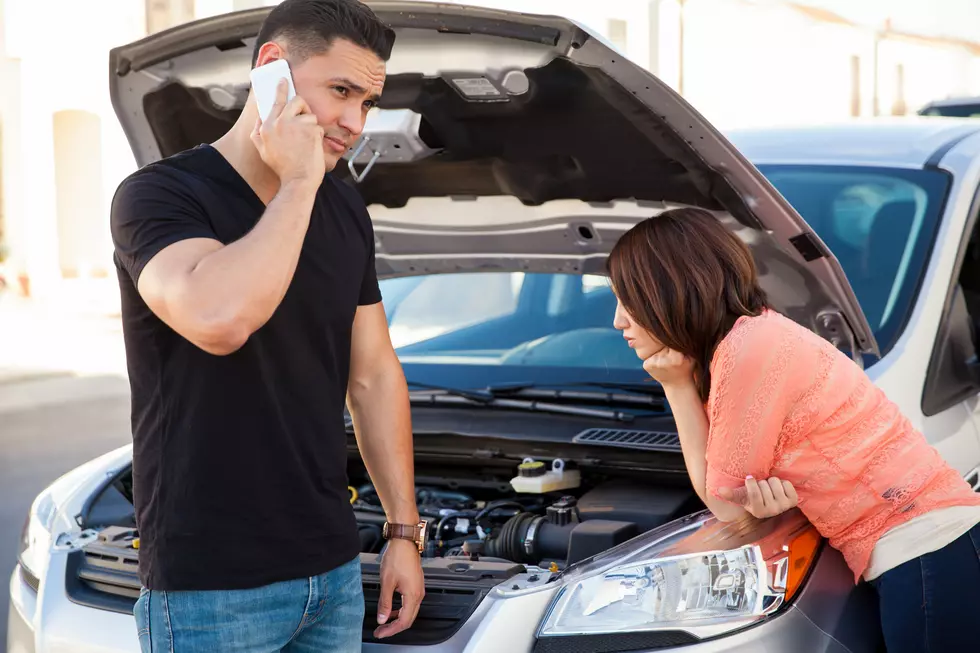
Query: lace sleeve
[753, 387]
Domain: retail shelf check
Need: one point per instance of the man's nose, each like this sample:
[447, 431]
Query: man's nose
[353, 119]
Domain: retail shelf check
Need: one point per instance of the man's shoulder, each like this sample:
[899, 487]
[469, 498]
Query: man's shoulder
[174, 173]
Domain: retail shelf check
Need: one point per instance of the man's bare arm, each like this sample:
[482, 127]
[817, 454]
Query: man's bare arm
[217, 295]
[378, 400]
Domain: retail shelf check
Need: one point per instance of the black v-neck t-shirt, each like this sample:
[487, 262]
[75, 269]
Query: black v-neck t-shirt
[240, 461]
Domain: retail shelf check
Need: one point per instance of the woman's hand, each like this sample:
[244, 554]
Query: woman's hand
[762, 499]
[670, 367]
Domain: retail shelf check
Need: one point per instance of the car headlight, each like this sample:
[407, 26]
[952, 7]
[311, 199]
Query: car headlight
[699, 577]
[36, 536]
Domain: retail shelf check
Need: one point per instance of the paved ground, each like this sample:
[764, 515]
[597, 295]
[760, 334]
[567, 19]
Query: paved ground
[64, 399]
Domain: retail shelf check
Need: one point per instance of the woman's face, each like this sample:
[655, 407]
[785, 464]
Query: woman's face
[639, 339]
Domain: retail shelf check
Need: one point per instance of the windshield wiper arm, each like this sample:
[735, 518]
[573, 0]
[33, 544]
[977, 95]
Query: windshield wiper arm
[441, 395]
[641, 395]
[481, 396]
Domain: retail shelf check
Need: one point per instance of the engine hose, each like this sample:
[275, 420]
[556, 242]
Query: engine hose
[529, 538]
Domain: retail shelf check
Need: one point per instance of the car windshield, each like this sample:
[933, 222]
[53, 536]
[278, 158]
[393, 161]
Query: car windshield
[474, 329]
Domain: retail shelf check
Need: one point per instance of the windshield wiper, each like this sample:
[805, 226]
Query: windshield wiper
[651, 395]
[442, 395]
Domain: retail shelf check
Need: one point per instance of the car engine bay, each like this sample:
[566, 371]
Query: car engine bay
[548, 514]
[491, 518]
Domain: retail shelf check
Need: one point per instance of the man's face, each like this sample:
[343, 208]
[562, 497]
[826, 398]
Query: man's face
[340, 86]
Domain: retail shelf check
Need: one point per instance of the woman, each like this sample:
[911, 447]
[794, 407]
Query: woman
[756, 396]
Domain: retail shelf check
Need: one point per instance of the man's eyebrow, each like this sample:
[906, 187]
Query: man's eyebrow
[357, 88]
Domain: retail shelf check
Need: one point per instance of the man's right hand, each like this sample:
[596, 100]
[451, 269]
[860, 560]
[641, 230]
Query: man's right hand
[290, 141]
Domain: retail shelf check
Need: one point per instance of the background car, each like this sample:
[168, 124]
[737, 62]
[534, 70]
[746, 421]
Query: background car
[496, 191]
[956, 107]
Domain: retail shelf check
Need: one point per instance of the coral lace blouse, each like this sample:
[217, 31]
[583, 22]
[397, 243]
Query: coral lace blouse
[785, 402]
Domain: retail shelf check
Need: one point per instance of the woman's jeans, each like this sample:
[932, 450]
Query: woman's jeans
[323, 614]
[932, 604]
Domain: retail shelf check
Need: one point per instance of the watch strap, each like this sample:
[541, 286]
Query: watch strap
[402, 532]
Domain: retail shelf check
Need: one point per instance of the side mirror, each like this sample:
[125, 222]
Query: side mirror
[954, 370]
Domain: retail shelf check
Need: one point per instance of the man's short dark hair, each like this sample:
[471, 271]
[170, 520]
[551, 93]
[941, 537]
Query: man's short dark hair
[310, 27]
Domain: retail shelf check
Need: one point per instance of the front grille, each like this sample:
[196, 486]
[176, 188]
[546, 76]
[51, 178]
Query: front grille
[454, 589]
[630, 439]
[104, 575]
[442, 613]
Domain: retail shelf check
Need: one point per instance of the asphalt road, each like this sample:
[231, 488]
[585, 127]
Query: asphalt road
[49, 425]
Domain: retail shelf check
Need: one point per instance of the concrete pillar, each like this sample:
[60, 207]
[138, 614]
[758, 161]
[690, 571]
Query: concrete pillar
[36, 183]
[80, 201]
[16, 195]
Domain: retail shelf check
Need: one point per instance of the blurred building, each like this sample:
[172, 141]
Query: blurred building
[739, 62]
[62, 152]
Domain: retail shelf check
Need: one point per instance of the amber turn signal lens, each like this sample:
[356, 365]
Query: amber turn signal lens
[802, 553]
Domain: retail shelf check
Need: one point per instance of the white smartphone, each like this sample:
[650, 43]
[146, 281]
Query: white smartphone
[265, 79]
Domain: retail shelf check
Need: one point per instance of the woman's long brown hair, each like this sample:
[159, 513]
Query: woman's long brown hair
[685, 278]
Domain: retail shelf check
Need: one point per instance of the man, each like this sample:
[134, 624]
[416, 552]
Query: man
[251, 310]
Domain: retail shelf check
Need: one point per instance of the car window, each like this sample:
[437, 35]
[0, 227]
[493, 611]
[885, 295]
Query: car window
[880, 225]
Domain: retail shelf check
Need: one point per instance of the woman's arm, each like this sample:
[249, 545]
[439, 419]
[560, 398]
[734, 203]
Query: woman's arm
[692, 428]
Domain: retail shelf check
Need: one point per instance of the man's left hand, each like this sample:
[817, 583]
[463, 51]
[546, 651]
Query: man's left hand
[401, 571]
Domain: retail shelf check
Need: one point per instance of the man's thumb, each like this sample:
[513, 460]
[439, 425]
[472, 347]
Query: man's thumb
[384, 607]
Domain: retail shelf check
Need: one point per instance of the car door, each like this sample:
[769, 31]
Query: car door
[951, 392]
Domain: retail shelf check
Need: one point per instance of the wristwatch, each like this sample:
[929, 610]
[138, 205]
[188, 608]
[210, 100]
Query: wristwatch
[412, 532]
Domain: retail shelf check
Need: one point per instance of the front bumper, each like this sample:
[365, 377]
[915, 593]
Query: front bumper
[829, 616]
[23, 603]
[45, 621]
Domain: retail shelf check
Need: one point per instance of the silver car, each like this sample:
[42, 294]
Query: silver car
[508, 154]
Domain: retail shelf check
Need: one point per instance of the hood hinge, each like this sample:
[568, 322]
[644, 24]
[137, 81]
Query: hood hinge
[833, 327]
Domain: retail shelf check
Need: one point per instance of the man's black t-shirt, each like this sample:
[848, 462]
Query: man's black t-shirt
[239, 461]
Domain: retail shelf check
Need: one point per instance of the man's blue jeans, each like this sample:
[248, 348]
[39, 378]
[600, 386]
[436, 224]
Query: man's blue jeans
[324, 614]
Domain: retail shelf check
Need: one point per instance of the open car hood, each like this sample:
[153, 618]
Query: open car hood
[503, 141]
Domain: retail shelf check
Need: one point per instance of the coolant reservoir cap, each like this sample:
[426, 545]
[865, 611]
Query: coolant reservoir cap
[532, 468]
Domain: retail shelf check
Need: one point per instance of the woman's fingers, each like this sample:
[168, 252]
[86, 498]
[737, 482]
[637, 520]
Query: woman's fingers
[754, 503]
[776, 487]
[769, 497]
[768, 500]
[791, 495]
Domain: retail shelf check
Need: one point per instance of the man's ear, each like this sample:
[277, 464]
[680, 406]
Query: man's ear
[269, 52]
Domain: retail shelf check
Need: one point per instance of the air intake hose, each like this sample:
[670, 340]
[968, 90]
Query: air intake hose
[530, 538]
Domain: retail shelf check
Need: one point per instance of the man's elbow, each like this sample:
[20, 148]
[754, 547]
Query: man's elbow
[384, 377]
[217, 337]
[223, 344]
[217, 332]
